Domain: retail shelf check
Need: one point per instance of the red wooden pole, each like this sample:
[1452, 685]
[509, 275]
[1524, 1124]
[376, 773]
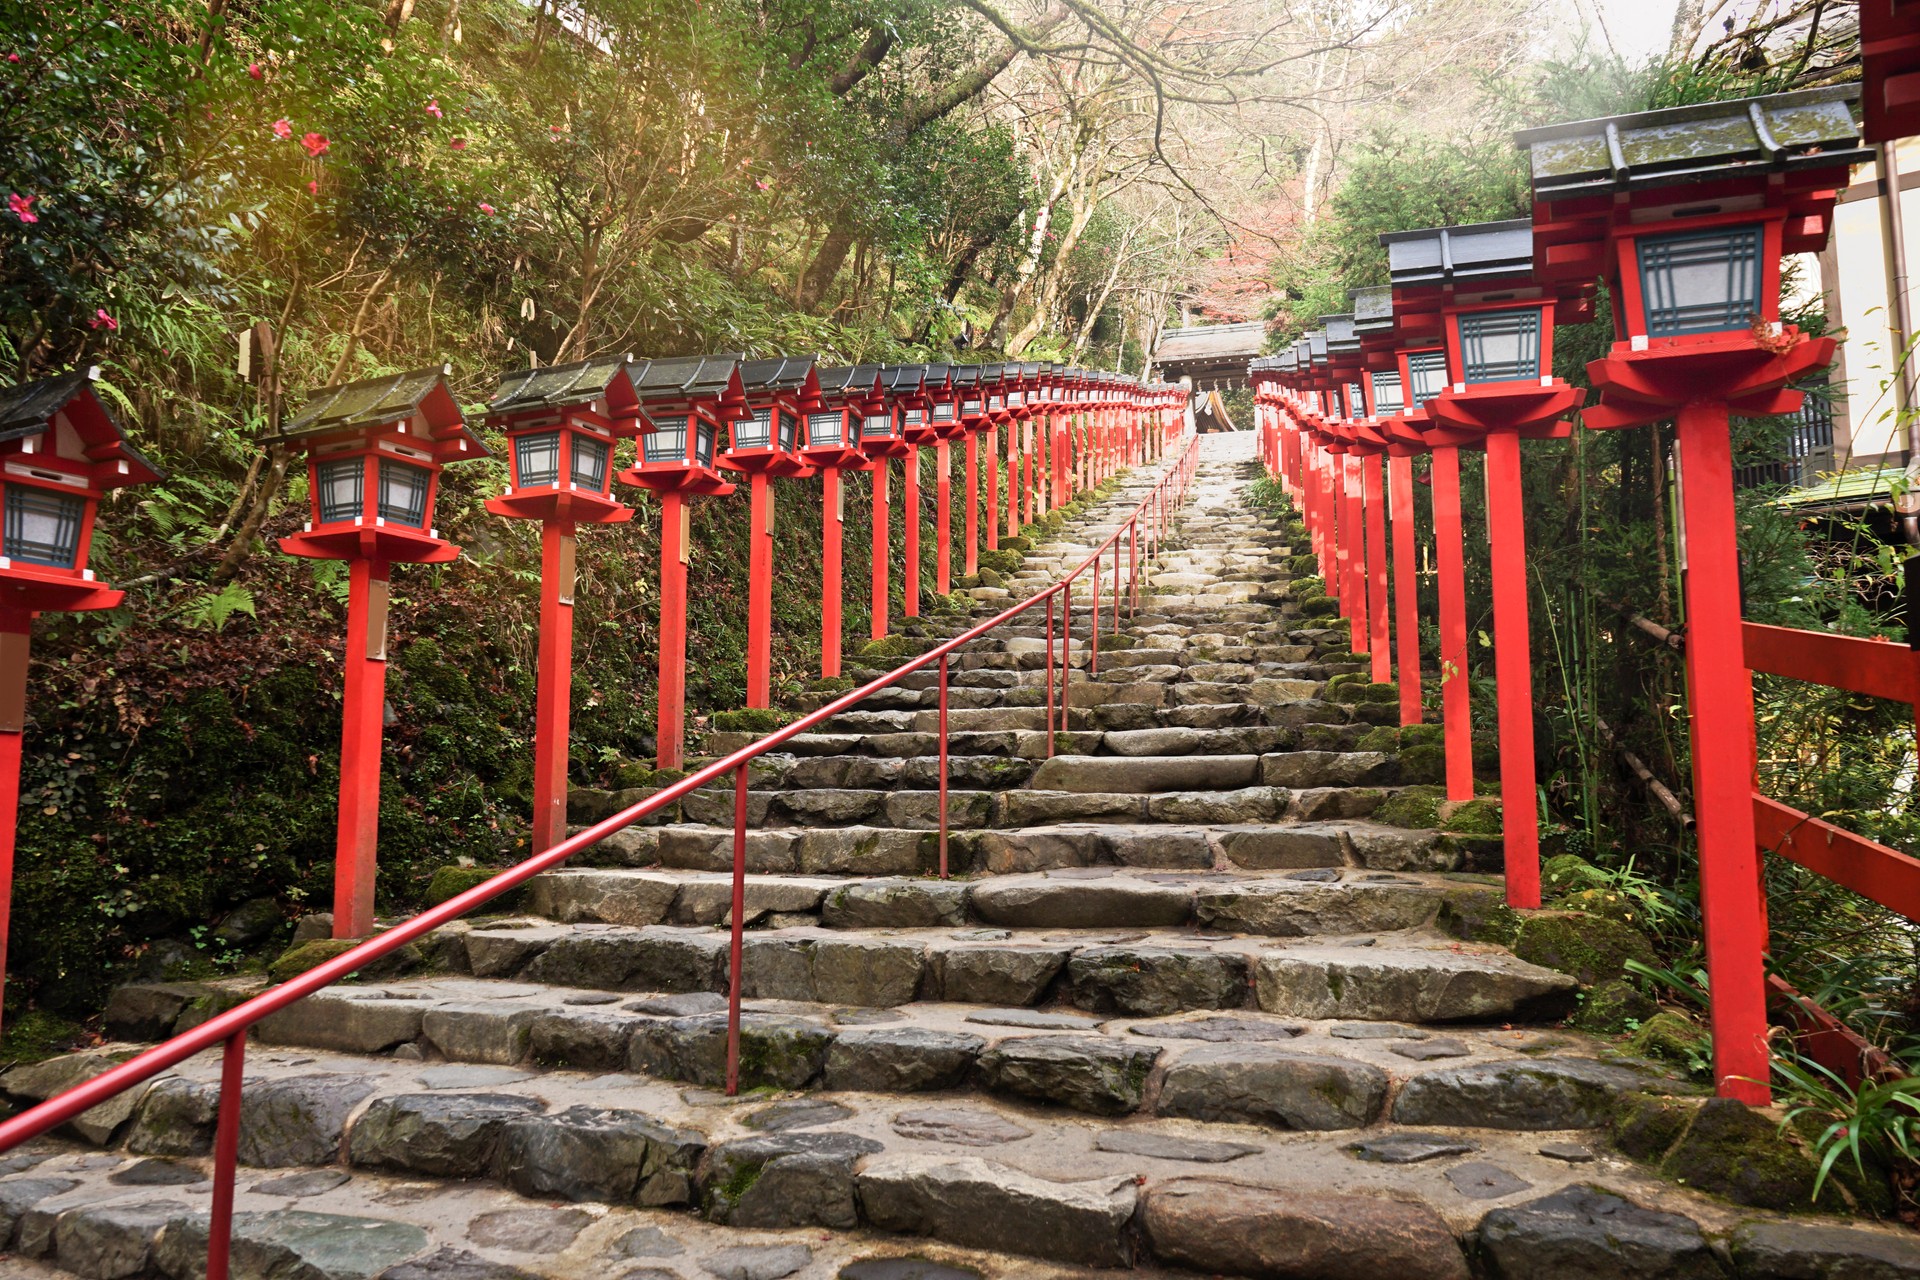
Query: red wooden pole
[669, 730]
[1013, 480]
[992, 509]
[364, 666]
[1353, 544]
[1329, 524]
[910, 531]
[973, 504]
[1406, 600]
[736, 924]
[833, 500]
[15, 628]
[1378, 644]
[943, 519]
[1720, 702]
[1513, 667]
[1449, 553]
[1027, 443]
[553, 695]
[226, 1156]
[881, 518]
[759, 590]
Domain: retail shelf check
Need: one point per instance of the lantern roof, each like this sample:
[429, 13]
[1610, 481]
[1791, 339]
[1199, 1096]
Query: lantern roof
[1033, 368]
[1442, 256]
[938, 377]
[966, 376]
[1316, 341]
[715, 377]
[1372, 311]
[845, 379]
[30, 409]
[992, 375]
[560, 386]
[1808, 129]
[903, 379]
[1341, 339]
[780, 373]
[372, 403]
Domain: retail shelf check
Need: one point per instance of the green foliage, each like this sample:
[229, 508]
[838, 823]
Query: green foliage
[1876, 1122]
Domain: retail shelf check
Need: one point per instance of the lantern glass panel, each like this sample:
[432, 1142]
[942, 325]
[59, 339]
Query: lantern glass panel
[943, 412]
[1500, 346]
[341, 495]
[589, 462]
[825, 430]
[1356, 403]
[537, 459]
[703, 434]
[1700, 281]
[43, 527]
[1386, 393]
[403, 493]
[916, 417]
[755, 432]
[666, 443]
[789, 424]
[1429, 370]
[877, 426]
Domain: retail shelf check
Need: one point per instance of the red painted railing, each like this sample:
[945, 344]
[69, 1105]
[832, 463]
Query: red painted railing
[1150, 520]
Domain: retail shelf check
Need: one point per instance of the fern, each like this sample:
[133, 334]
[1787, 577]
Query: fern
[211, 612]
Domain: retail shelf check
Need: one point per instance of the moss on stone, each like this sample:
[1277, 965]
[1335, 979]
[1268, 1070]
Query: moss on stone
[832, 684]
[1563, 873]
[1306, 588]
[1385, 738]
[1424, 763]
[1318, 606]
[1421, 735]
[1303, 567]
[1478, 913]
[886, 647]
[1613, 1006]
[1412, 807]
[990, 577]
[1733, 1151]
[759, 719]
[1646, 1126]
[1119, 642]
[1671, 1036]
[1356, 686]
[629, 774]
[295, 961]
[1473, 818]
[452, 881]
[1000, 561]
[1017, 543]
[1590, 948]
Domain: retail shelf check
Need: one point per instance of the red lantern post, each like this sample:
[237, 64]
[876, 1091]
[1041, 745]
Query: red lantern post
[767, 442]
[881, 439]
[561, 424]
[374, 453]
[903, 384]
[62, 449]
[1497, 321]
[690, 400]
[1686, 213]
[833, 446]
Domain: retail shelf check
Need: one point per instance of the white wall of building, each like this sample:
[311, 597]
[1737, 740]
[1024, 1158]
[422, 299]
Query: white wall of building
[1853, 274]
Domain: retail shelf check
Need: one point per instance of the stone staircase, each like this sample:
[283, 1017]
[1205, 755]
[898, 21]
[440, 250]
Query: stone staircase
[1200, 994]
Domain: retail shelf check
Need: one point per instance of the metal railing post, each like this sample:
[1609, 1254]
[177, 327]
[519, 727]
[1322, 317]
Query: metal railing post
[226, 1155]
[1093, 653]
[737, 943]
[1049, 676]
[943, 766]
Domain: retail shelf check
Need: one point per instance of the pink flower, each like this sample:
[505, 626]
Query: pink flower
[281, 129]
[13, 57]
[458, 144]
[101, 320]
[315, 144]
[22, 207]
[253, 69]
[433, 108]
[763, 186]
[313, 188]
[485, 207]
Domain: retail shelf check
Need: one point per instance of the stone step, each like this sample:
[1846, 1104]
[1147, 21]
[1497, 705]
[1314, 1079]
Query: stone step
[1152, 971]
[1278, 904]
[1171, 846]
[820, 810]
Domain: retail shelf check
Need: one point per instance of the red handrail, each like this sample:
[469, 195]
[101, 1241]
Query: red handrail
[231, 1026]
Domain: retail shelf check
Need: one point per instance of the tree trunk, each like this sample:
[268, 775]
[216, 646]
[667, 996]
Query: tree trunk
[826, 264]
